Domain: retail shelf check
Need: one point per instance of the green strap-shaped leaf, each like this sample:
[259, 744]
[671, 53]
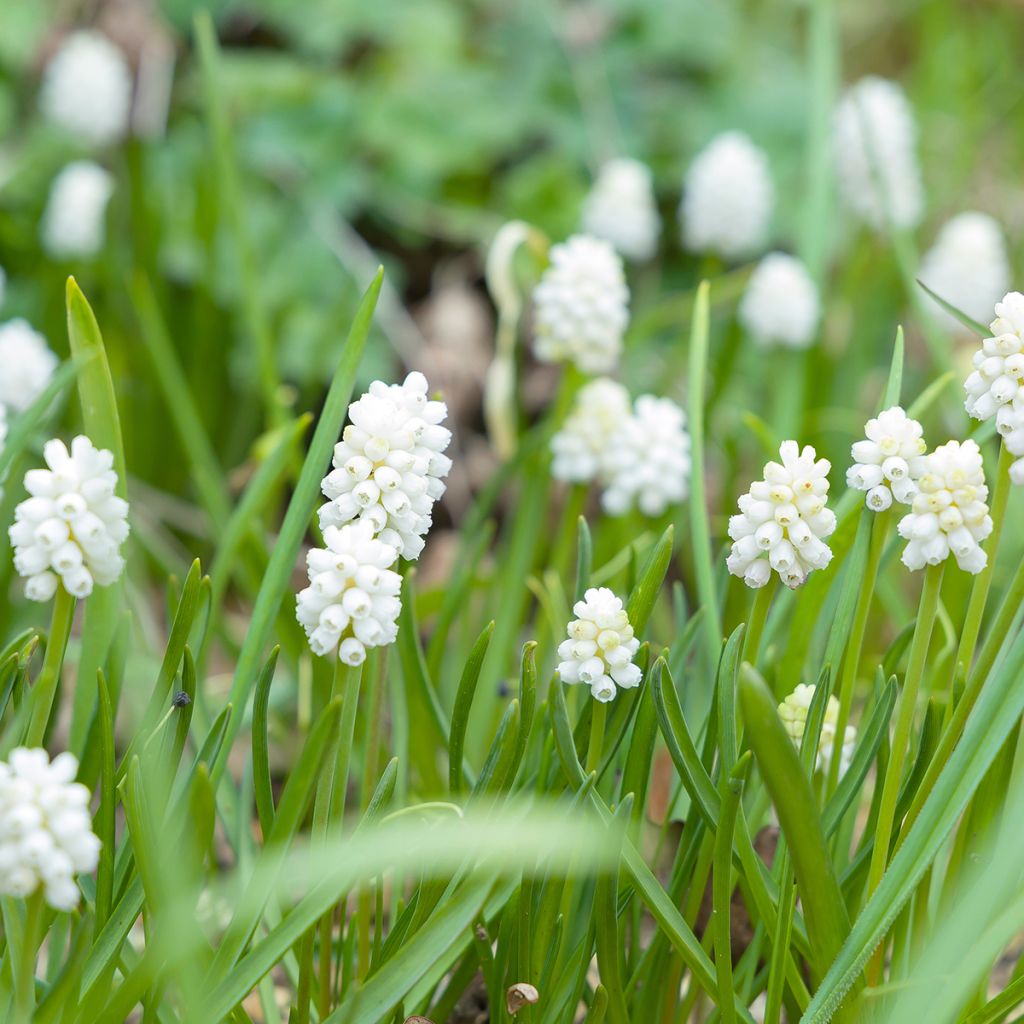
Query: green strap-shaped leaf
[648, 584]
[461, 708]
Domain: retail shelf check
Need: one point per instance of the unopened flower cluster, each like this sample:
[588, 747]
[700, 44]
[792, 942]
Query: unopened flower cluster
[889, 461]
[28, 365]
[352, 601]
[780, 305]
[621, 209]
[949, 513]
[727, 198]
[640, 457]
[783, 520]
[74, 221]
[46, 835]
[581, 305]
[793, 712]
[389, 470]
[600, 647]
[71, 527]
[874, 142]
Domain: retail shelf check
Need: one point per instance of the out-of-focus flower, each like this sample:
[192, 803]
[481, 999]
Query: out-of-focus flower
[890, 461]
[949, 511]
[390, 466]
[71, 527]
[600, 650]
[999, 363]
[793, 712]
[621, 209]
[87, 88]
[74, 223]
[46, 835]
[783, 520]
[26, 365]
[646, 459]
[874, 140]
[352, 601]
[780, 305]
[727, 198]
[580, 305]
[968, 267]
[580, 446]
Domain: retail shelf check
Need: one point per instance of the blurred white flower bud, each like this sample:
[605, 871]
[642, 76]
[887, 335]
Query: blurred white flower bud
[74, 223]
[780, 305]
[620, 208]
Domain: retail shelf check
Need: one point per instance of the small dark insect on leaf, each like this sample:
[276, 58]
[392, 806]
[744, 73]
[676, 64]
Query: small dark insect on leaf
[519, 995]
[181, 699]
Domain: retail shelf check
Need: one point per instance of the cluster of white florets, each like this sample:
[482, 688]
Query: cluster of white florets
[783, 520]
[28, 365]
[780, 305]
[581, 305]
[874, 142]
[640, 457]
[889, 461]
[74, 220]
[46, 835]
[948, 513]
[87, 88]
[352, 601]
[600, 647]
[793, 712]
[968, 267]
[727, 198]
[71, 527]
[390, 466]
[621, 209]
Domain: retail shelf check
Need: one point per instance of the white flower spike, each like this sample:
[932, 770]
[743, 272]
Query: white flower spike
[889, 461]
[949, 513]
[999, 363]
[968, 267]
[87, 88]
[390, 466]
[71, 527]
[621, 209]
[783, 520]
[580, 446]
[874, 140]
[793, 712]
[581, 305]
[780, 305]
[647, 459]
[600, 649]
[26, 365]
[727, 198]
[352, 601]
[46, 835]
[74, 221]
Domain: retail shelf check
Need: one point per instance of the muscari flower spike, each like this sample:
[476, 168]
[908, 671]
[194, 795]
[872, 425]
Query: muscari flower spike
[889, 461]
[621, 209]
[793, 712]
[780, 305]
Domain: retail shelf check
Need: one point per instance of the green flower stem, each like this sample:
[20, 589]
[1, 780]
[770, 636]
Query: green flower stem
[855, 644]
[45, 689]
[755, 622]
[904, 722]
[24, 953]
[598, 717]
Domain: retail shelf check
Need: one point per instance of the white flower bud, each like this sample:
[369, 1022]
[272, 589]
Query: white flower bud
[780, 305]
[74, 223]
[793, 712]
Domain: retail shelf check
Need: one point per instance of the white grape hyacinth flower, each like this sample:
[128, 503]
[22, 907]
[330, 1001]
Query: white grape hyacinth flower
[87, 88]
[26, 364]
[728, 197]
[578, 448]
[390, 466]
[968, 267]
[874, 143]
[46, 835]
[793, 712]
[780, 305]
[71, 527]
[646, 459]
[889, 461]
[600, 647]
[783, 520]
[352, 601]
[581, 305]
[949, 513]
[1010, 424]
[74, 222]
[620, 208]
[998, 374]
